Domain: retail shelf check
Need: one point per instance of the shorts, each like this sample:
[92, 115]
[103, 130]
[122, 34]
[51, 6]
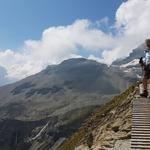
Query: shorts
[147, 71]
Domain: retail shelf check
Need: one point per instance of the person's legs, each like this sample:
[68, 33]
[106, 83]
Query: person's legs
[145, 92]
[145, 79]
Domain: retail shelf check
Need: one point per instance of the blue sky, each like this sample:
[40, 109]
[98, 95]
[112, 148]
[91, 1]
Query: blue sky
[21, 20]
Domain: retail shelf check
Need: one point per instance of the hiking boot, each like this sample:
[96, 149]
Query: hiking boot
[144, 94]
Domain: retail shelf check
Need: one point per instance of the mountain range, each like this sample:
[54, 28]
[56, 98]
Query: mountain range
[43, 110]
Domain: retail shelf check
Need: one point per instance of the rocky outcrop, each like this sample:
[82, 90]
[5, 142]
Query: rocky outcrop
[109, 128]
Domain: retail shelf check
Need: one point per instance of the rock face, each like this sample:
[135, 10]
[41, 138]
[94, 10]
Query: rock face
[109, 128]
[13, 133]
[116, 128]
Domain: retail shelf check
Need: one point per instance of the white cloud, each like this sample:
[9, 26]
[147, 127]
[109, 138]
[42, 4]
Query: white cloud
[57, 44]
[3, 79]
[132, 26]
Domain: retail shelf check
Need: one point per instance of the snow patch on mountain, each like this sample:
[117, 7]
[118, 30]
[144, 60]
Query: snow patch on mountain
[134, 62]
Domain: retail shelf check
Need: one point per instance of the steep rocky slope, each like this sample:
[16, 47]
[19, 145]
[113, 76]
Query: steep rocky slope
[109, 128]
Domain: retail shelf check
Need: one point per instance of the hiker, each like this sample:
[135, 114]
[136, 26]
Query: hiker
[146, 66]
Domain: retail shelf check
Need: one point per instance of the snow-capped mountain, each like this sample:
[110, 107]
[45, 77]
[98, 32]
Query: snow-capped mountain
[130, 64]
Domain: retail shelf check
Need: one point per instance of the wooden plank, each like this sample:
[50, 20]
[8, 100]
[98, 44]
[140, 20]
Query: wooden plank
[140, 140]
[140, 143]
[140, 129]
[136, 117]
[141, 115]
[140, 146]
[141, 118]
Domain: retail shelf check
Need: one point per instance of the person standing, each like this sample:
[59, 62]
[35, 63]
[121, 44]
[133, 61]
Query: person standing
[146, 65]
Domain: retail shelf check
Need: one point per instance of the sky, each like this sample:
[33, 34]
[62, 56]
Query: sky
[34, 34]
[26, 19]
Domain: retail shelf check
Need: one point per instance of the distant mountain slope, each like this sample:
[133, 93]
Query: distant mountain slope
[63, 95]
[130, 64]
[135, 54]
[70, 85]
